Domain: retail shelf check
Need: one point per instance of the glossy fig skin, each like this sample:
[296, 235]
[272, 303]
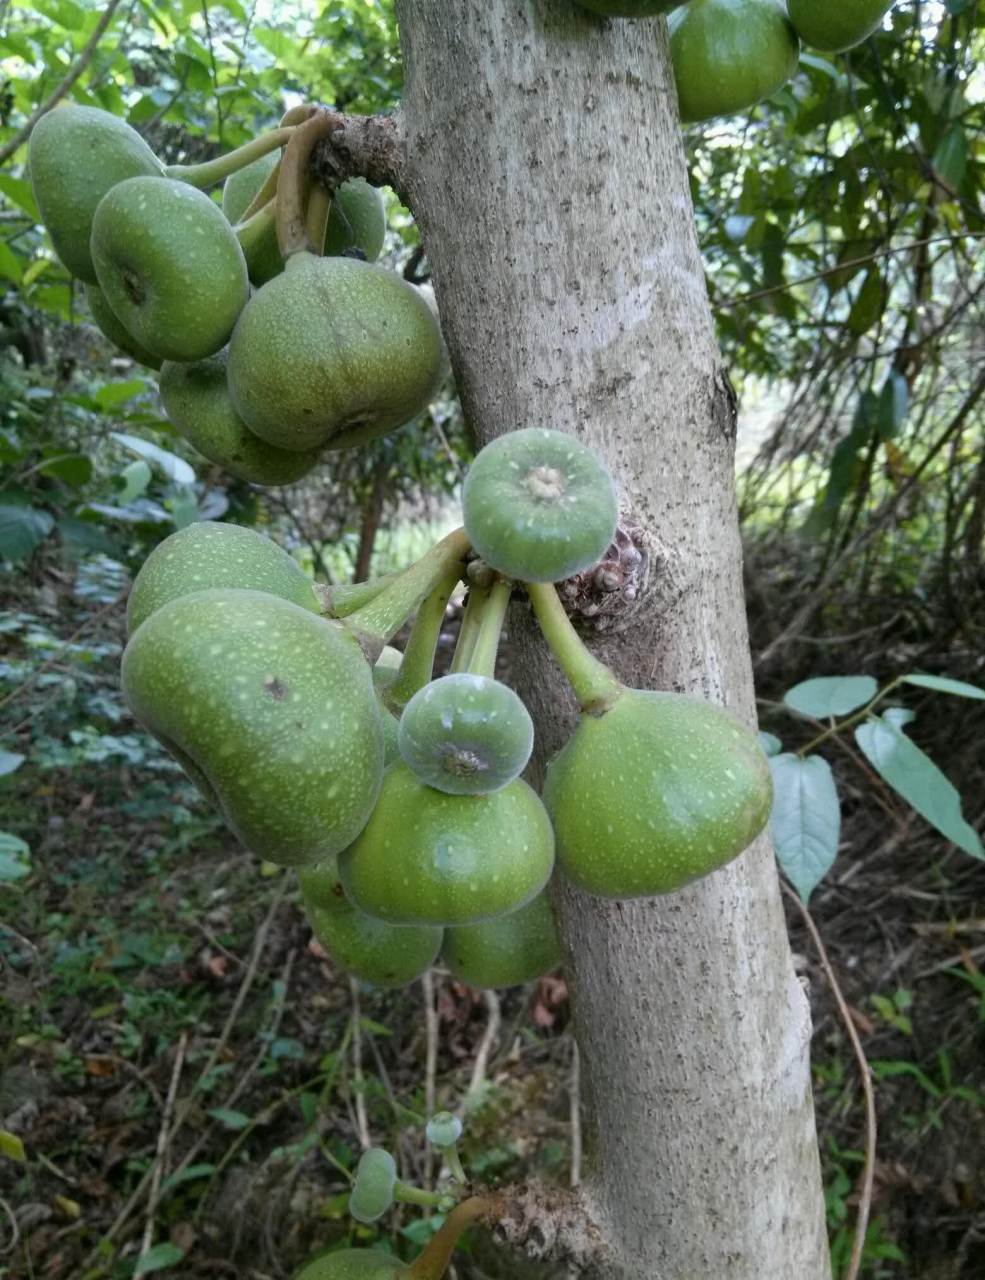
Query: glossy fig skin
[656, 792]
[466, 734]
[196, 399]
[210, 554]
[384, 954]
[730, 54]
[426, 857]
[507, 951]
[836, 25]
[77, 154]
[321, 888]
[331, 350]
[352, 1264]
[539, 505]
[274, 705]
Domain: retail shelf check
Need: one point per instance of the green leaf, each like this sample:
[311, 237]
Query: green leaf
[951, 157]
[894, 403]
[174, 468]
[15, 857]
[831, 695]
[867, 307]
[806, 819]
[22, 529]
[133, 480]
[911, 773]
[230, 1119]
[11, 1146]
[89, 536]
[11, 266]
[158, 1258]
[770, 743]
[191, 1174]
[10, 762]
[113, 394]
[943, 684]
[74, 468]
[19, 192]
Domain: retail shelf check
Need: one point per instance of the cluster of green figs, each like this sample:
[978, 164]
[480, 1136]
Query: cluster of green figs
[398, 796]
[730, 54]
[276, 334]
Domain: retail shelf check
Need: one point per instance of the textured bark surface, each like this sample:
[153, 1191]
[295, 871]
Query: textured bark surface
[544, 164]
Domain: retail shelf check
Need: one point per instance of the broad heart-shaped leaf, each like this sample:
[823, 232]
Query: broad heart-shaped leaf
[22, 528]
[174, 468]
[831, 695]
[770, 743]
[942, 684]
[156, 1259]
[918, 780]
[806, 819]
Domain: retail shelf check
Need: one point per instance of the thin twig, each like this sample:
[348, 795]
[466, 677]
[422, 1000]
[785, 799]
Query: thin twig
[15, 1231]
[430, 1065]
[574, 1099]
[868, 1170]
[362, 1120]
[162, 1145]
[486, 1045]
[70, 77]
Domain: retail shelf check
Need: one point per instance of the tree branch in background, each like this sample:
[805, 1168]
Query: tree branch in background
[73, 73]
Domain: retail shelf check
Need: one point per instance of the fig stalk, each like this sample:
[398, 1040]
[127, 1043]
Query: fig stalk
[594, 684]
[339, 600]
[482, 660]
[433, 1262]
[292, 232]
[209, 172]
[418, 661]
[469, 630]
[316, 214]
[266, 193]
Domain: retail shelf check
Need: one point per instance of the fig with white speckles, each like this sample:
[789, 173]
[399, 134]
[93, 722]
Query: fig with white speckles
[383, 954]
[657, 791]
[170, 266]
[353, 1264]
[273, 705]
[332, 353]
[209, 554]
[466, 734]
[507, 951]
[196, 399]
[110, 327]
[539, 506]
[77, 154]
[426, 857]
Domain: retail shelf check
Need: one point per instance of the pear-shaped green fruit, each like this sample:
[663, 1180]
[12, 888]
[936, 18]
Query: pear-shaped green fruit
[208, 554]
[273, 705]
[76, 155]
[333, 351]
[240, 188]
[656, 792]
[111, 328]
[730, 54]
[170, 266]
[426, 857]
[837, 25]
[629, 8]
[466, 734]
[538, 505]
[384, 954]
[507, 951]
[196, 399]
[321, 888]
[352, 1264]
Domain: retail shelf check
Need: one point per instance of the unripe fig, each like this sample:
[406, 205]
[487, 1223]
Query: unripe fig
[170, 266]
[77, 154]
[352, 1264]
[837, 25]
[655, 792]
[629, 8]
[274, 705]
[430, 858]
[196, 399]
[383, 954]
[240, 188]
[333, 352]
[466, 734]
[539, 506]
[209, 554]
[321, 888]
[730, 54]
[372, 1191]
[507, 951]
[117, 333]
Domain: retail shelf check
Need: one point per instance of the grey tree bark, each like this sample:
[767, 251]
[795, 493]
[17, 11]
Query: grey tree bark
[543, 160]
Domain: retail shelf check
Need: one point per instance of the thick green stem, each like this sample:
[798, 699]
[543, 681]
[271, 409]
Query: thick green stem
[292, 186]
[433, 1262]
[381, 619]
[469, 630]
[482, 660]
[252, 231]
[264, 196]
[316, 216]
[594, 684]
[418, 664]
[210, 172]
[344, 598]
[404, 1193]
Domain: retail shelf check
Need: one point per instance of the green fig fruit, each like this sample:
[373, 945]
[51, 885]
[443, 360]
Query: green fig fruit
[837, 25]
[196, 399]
[384, 954]
[655, 792]
[466, 734]
[240, 188]
[321, 888]
[352, 1264]
[333, 352]
[507, 951]
[209, 554]
[170, 266]
[357, 221]
[730, 54]
[274, 705]
[539, 506]
[426, 857]
[629, 8]
[372, 1191]
[111, 328]
[77, 154]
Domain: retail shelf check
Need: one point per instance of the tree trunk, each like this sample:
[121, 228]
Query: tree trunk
[545, 168]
